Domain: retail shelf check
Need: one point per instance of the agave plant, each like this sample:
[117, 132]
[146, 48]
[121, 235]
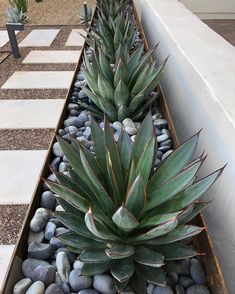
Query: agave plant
[111, 34]
[110, 9]
[126, 216]
[13, 15]
[20, 5]
[124, 91]
[83, 14]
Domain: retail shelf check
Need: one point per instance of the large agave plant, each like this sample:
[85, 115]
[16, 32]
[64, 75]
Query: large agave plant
[125, 216]
[124, 91]
[111, 34]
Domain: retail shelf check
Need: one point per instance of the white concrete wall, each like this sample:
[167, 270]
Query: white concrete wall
[206, 9]
[199, 83]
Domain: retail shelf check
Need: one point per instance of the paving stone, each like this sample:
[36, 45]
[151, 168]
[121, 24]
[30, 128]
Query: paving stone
[5, 256]
[19, 174]
[4, 37]
[39, 80]
[75, 39]
[52, 56]
[30, 114]
[39, 38]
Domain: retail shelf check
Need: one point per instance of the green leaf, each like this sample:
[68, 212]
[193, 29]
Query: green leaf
[136, 197]
[96, 186]
[152, 275]
[91, 269]
[175, 251]
[119, 251]
[120, 73]
[121, 94]
[145, 163]
[79, 242]
[105, 88]
[142, 138]
[93, 255]
[124, 149]
[134, 59]
[153, 220]
[192, 193]
[197, 208]
[124, 219]
[174, 163]
[74, 223]
[157, 231]
[97, 229]
[138, 284]
[70, 196]
[105, 67]
[168, 190]
[148, 257]
[179, 233]
[123, 269]
[99, 146]
[114, 156]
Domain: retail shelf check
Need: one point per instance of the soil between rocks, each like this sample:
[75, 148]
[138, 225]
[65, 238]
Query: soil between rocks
[11, 220]
[49, 12]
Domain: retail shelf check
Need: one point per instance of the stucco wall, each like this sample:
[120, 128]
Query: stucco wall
[205, 9]
[199, 83]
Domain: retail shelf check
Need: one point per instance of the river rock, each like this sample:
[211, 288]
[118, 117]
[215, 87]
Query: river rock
[50, 230]
[48, 200]
[55, 163]
[36, 288]
[78, 282]
[39, 220]
[54, 289]
[104, 284]
[197, 272]
[186, 281]
[131, 131]
[117, 126]
[127, 122]
[160, 123]
[179, 289]
[39, 237]
[198, 289]
[88, 291]
[162, 290]
[22, 286]
[78, 264]
[46, 274]
[40, 250]
[57, 150]
[29, 265]
[63, 266]
[150, 288]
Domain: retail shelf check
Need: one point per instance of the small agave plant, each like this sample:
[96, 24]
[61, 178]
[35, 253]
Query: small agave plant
[126, 216]
[123, 91]
[111, 34]
[13, 15]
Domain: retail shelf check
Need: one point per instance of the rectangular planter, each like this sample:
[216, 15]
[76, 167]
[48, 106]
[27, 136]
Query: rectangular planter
[202, 243]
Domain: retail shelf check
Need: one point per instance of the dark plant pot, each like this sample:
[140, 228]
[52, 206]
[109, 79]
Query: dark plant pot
[202, 243]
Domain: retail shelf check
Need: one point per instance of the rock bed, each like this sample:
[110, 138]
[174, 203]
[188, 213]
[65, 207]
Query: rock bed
[50, 268]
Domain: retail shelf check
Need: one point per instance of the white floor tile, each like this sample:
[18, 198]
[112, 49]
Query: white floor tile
[39, 38]
[52, 56]
[4, 37]
[6, 252]
[39, 80]
[19, 174]
[75, 39]
[30, 114]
